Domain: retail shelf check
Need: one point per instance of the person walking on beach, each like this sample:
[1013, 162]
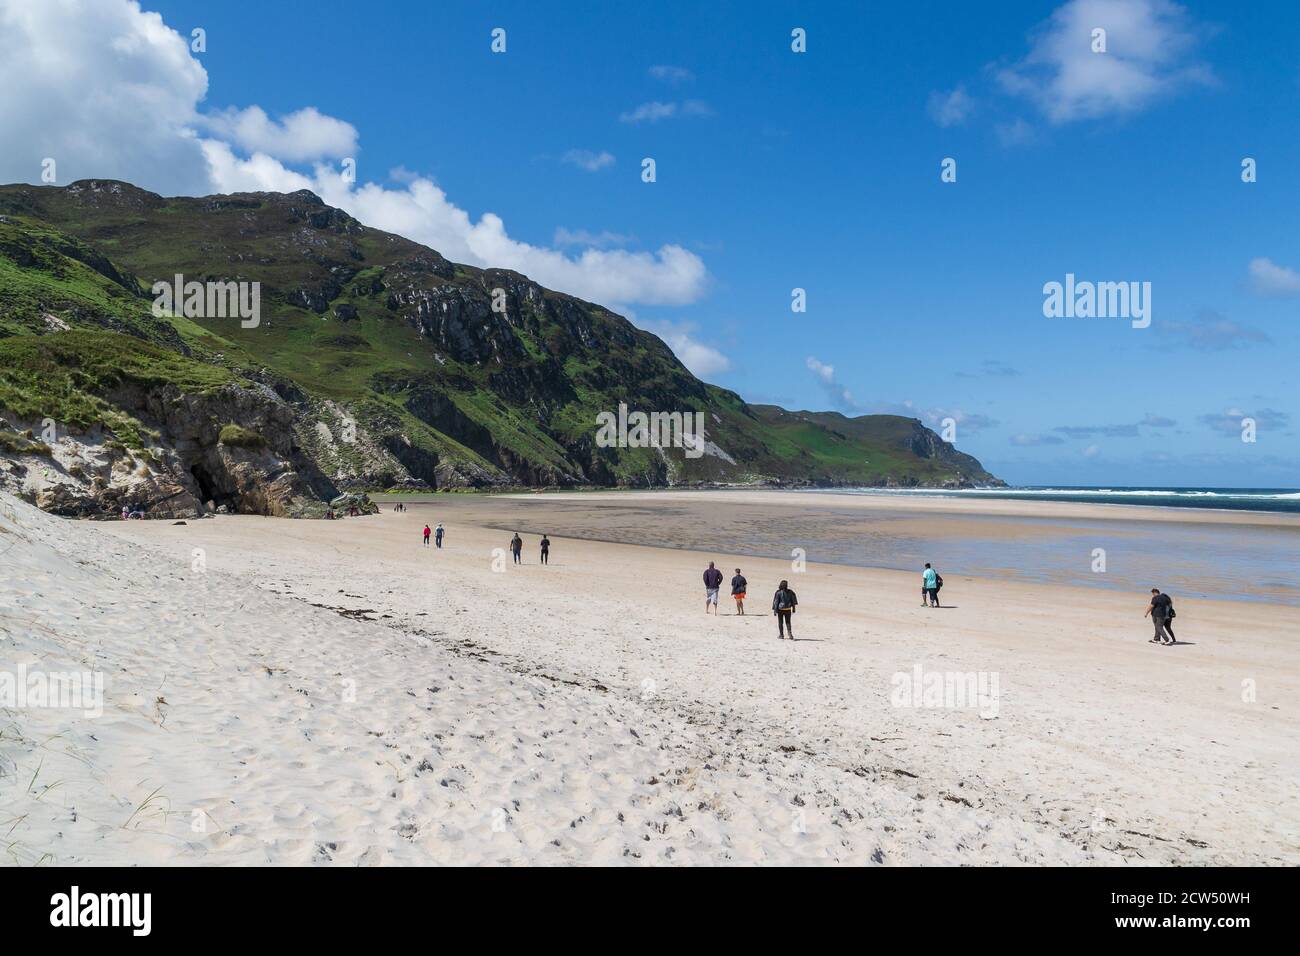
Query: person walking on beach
[1161, 611]
[712, 581]
[783, 604]
[437, 536]
[426, 535]
[738, 584]
[930, 586]
[546, 548]
[517, 547]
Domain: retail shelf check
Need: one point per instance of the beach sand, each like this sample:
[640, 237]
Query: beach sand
[293, 692]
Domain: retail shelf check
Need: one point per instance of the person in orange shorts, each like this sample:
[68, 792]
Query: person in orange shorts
[738, 584]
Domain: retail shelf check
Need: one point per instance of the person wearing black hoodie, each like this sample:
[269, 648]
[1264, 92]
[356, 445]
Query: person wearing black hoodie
[712, 581]
[783, 604]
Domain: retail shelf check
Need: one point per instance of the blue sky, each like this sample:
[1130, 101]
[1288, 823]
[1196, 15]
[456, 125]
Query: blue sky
[817, 170]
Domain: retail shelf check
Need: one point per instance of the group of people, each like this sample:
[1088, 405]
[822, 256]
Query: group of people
[516, 542]
[517, 548]
[784, 601]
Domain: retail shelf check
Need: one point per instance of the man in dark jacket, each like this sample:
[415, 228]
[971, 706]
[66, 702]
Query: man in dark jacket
[783, 604]
[1161, 611]
[712, 581]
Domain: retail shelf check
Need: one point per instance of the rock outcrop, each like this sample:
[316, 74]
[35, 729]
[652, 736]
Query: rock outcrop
[230, 450]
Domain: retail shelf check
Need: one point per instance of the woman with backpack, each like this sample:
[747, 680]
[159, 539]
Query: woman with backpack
[783, 604]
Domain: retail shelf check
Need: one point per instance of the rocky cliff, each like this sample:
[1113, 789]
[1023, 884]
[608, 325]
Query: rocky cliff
[374, 362]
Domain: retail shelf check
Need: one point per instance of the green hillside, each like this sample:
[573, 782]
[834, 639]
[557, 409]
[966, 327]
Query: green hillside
[391, 360]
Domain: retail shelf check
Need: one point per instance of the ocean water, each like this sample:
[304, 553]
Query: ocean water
[1255, 561]
[1285, 500]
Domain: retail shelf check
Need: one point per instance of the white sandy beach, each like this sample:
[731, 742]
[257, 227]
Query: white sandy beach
[296, 692]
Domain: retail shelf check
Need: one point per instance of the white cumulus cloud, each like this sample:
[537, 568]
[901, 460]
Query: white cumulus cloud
[103, 89]
[305, 134]
[110, 91]
[951, 108]
[650, 112]
[703, 360]
[588, 160]
[840, 397]
[1149, 46]
[1269, 278]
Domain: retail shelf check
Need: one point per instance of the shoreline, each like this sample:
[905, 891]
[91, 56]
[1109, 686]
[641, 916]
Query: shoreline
[1117, 510]
[919, 496]
[982, 506]
[1245, 557]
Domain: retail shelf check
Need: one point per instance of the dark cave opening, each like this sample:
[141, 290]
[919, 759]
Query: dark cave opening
[207, 487]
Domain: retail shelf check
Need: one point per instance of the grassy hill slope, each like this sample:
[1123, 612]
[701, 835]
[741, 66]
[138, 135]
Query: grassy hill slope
[392, 360]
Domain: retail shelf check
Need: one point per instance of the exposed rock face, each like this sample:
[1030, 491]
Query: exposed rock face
[186, 470]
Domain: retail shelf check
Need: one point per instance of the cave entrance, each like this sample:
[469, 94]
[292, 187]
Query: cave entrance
[207, 487]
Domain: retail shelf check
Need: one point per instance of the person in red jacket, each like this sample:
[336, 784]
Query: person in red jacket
[427, 532]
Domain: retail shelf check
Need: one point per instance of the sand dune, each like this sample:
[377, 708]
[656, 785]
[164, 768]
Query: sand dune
[331, 692]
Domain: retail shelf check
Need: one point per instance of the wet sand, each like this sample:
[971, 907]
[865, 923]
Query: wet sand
[1226, 555]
